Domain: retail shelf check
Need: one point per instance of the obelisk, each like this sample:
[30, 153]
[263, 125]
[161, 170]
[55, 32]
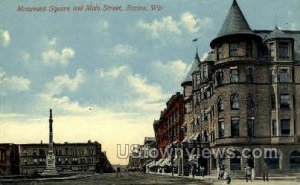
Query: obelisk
[50, 158]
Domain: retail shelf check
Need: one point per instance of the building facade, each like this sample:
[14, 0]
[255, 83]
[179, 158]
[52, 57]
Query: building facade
[245, 95]
[9, 159]
[69, 157]
[169, 131]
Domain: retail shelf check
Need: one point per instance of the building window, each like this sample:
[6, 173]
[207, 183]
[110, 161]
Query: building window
[219, 77]
[234, 102]
[220, 104]
[284, 101]
[221, 129]
[34, 153]
[233, 49]
[249, 49]
[250, 127]
[271, 51]
[249, 74]
[295, 160]
[272, 159]
[205, 71]
[235, 130]
[220, 53]
[283, 75]
[285, 127]
[235, 162]
[273, 128]
[197, 79]
[234, 75]
[250, 103]
[283, 50]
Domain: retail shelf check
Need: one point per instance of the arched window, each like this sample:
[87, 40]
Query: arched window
[234, 101]
[250, 103]
[219, 77]
[235, 161]
[295, 160]
[220, 104]
[272, 159]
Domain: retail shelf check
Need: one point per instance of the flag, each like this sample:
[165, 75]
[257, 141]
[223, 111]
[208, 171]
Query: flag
[195, 40]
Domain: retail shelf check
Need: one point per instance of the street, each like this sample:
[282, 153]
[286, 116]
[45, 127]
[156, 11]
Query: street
[125, 178]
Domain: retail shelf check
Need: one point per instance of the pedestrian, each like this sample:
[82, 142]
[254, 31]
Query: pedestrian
[193, 171]
[218, 172]
[265, 170]
[222, 172]
[248, 172]
[202, 171]
[118, 172]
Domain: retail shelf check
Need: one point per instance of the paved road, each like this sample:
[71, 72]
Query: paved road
[124, 178]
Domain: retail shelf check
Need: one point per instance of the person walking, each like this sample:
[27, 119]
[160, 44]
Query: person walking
[265, 170]
[248, 172]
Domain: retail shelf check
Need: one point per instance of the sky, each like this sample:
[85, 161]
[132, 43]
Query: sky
[107, 74]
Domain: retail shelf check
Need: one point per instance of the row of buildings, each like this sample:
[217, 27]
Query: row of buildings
[29, 159]
[67, 158]
[244, 95]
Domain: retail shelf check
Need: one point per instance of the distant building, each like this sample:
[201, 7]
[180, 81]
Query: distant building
[170, 130]
[141, 156]
[31, 159]
[70, 157]
[9, 159]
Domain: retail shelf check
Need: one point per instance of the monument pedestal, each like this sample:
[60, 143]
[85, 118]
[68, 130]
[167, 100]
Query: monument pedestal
[50, 169]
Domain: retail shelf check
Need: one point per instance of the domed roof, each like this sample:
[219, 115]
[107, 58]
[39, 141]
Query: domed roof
[277, 34]
[194, 67]
[235, 23]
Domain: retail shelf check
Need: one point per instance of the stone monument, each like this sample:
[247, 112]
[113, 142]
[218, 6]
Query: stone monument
[50, 158]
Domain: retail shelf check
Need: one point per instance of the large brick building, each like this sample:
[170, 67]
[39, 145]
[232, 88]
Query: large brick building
[70, 157]
[245, 94]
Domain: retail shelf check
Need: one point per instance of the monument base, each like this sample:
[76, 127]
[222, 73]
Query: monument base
[50, 169]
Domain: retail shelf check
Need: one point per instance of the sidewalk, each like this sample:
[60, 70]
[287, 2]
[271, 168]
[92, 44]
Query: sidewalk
[292, 180]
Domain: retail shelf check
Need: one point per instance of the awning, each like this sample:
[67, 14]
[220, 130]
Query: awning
[166, 162]
[185, 140]
[159, 161]
[151, 164]
[195, 136]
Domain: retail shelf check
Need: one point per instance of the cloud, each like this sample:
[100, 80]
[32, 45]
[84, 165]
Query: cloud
[13, 83]
[53, 57]
[52, 41]
[103, 24]
[189, 22]
[124, 50]
[144, 89]
[64, 82]
[204, 56]
[112, 73]
[4, 37]
[170, 73]
[168, 27]
[157, 28]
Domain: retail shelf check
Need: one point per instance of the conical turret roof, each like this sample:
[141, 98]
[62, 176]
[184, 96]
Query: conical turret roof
[235, 23]
[194, 67]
